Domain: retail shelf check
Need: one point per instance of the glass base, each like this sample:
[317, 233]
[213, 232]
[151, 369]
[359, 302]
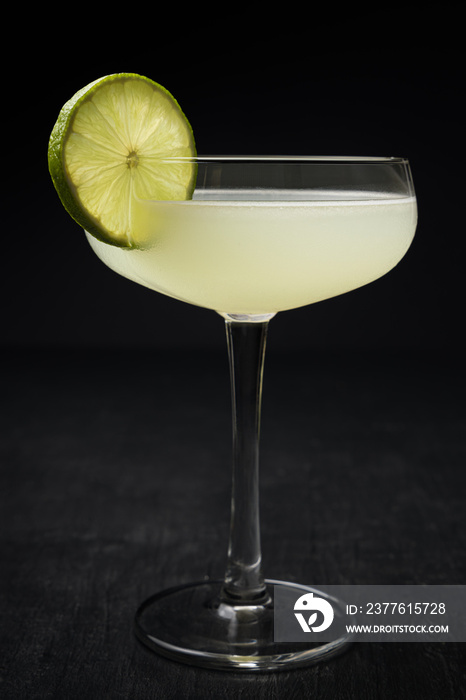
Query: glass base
[195, 625]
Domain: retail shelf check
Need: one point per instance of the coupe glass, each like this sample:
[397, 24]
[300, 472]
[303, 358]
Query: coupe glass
[261, 235]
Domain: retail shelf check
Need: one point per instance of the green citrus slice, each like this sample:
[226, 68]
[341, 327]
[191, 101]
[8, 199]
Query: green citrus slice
[114, 140]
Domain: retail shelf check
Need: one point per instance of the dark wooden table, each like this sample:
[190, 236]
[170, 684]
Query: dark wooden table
[115, 477]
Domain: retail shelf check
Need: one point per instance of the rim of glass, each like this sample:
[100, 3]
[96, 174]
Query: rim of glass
[291, 158]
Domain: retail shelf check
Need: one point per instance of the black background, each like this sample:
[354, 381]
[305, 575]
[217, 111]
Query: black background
[116, 439]
[356, 84]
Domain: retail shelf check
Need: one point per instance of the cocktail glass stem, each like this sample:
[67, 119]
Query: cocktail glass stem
[244, 583]
[230, 623]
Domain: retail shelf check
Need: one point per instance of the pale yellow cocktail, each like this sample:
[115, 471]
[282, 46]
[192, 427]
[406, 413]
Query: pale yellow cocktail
[264, 254]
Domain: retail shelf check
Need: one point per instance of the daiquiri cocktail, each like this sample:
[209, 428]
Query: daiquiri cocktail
[247, 250]
[247, 237]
